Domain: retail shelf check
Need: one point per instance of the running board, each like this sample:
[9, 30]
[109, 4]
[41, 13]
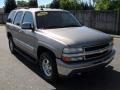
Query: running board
[26, 56]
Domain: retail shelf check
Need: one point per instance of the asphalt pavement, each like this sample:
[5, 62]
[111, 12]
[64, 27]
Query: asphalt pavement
[17, 73]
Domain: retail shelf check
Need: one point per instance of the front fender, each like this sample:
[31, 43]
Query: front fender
[56, 48]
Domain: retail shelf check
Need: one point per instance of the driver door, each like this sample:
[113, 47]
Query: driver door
[27, 35]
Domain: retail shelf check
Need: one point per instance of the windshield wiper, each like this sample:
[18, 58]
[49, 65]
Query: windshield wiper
[51, 27]
[72, 25]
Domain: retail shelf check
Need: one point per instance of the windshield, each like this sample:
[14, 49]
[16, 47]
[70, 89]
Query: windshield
[55, 19]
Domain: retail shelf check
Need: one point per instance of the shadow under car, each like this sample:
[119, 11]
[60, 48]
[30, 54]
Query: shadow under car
[106, 79]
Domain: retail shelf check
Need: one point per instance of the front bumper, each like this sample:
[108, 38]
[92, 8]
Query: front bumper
[66, 69]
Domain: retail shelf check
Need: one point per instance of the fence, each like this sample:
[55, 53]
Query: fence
[3, 18]
[106, 21]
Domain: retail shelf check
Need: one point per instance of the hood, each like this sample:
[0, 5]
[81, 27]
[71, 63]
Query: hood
[76, 36]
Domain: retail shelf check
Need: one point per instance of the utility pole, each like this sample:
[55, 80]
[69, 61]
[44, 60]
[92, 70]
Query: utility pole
[75, 4]
[36, 2]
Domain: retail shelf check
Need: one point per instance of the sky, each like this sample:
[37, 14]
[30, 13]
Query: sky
[40, 2]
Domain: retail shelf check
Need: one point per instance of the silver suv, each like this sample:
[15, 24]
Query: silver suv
[58, 42]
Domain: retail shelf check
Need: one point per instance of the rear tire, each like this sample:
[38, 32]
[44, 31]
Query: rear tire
[11, 45]
[48, 67]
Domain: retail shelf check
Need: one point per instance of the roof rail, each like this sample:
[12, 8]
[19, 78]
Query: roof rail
[27, 8]
[23, 8]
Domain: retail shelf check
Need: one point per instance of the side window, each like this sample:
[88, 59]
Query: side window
[11, 17]
[28, 17]
[18, 18]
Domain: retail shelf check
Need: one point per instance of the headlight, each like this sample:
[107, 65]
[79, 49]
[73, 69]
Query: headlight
[73, 50]
[72, 54]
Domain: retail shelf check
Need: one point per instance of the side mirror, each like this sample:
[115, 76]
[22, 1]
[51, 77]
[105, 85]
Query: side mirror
[27, 25]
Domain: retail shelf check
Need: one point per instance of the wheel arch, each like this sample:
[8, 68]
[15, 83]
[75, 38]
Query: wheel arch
[9, 35]
[42, 49]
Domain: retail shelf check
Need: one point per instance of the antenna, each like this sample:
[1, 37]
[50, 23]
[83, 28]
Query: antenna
[41, 8]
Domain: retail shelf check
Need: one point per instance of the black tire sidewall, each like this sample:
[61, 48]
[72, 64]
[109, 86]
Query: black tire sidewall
[11, 40]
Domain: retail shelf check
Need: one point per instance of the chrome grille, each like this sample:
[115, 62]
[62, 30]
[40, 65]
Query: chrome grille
[97, 55]
[97, 47]
[98, 51]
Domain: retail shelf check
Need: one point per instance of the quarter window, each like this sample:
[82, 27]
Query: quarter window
[18, 18]
[11, 17]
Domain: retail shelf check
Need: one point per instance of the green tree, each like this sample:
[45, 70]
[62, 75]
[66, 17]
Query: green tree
[55, 4]
[115, 5]
[9, 5]
[71, 5]
[68, 4]
[107, 4]
[102, 4]
[33, 3]
[22, 3]
[42, 6]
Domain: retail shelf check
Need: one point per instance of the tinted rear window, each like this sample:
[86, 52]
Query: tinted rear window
[11, 17]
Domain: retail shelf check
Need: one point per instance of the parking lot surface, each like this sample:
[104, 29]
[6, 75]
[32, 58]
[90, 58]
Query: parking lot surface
[17, 73]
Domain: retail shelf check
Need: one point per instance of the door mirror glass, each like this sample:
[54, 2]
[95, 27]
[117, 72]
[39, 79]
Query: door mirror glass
[9, 20]
[27, 25]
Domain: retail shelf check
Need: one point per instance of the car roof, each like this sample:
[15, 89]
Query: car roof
[39, 9]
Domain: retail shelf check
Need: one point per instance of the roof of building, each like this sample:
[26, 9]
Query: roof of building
[1, 10]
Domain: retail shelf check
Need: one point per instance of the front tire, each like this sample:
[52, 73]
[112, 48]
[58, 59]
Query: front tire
[48, 67]
[11, 45]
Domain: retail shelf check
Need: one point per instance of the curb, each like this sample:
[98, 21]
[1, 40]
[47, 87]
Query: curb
[115, 36]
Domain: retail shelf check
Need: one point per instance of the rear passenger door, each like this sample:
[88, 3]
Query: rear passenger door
[16, 28]
[28, 36]
[9, 23]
